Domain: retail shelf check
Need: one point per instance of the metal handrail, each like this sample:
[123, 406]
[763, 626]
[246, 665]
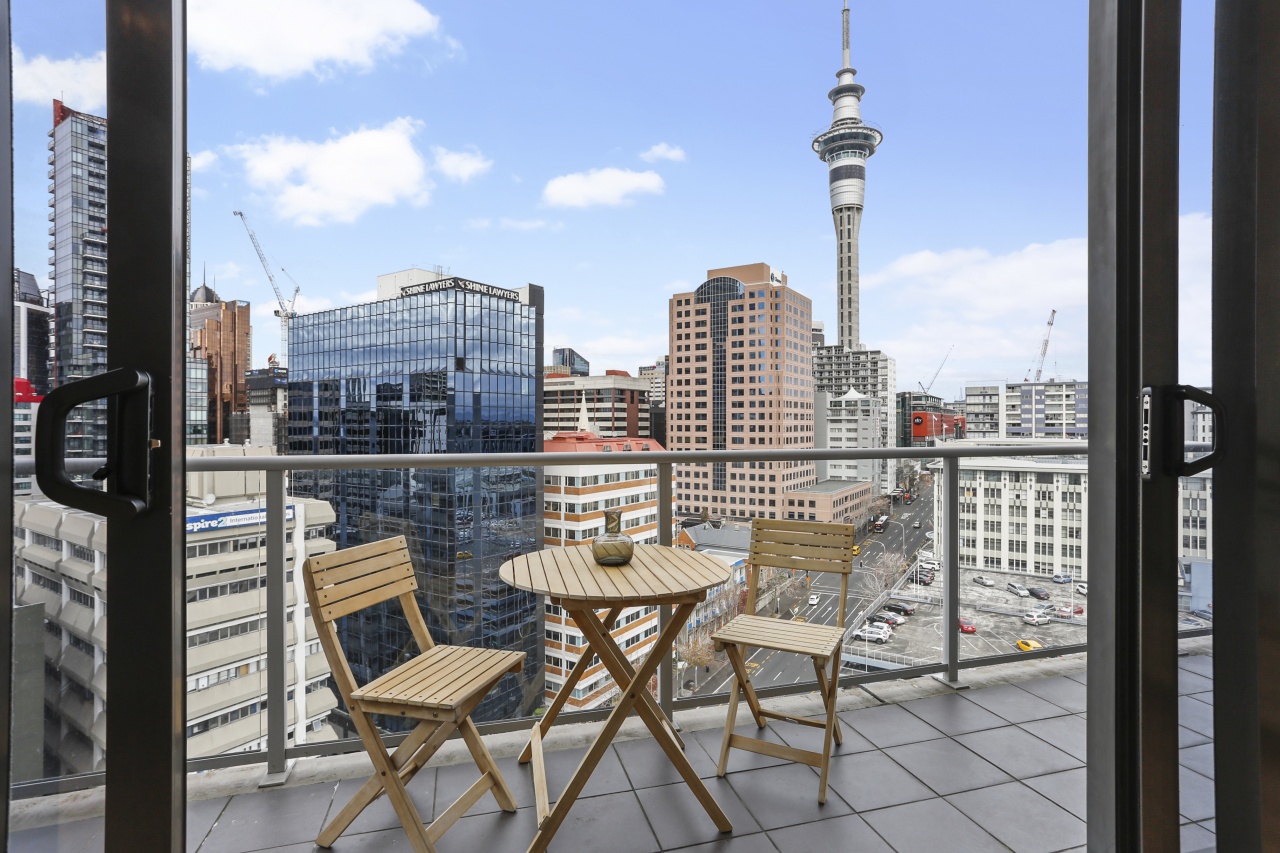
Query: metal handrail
[279, 755]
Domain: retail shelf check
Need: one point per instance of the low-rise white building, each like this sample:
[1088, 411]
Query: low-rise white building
[851, 420]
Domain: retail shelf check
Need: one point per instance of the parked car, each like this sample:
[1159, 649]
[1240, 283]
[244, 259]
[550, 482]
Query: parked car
[924, 580]
[983, 580]
[1066, 611]
[893, 620]
[1017, 589]
[900, 607]
[930, 564]
[1028, 645]
[1043, 606]
[813, 599]
[874, 633]
[1036, 617]
[1037, 592]
[917, 524]
[967, 626]
[1203, 614]
[1062, 578]
[1082, 588]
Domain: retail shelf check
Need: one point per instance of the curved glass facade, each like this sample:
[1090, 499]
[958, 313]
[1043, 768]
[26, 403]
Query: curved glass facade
[440, 372]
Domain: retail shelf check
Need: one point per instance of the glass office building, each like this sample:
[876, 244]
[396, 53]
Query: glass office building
[450, 366]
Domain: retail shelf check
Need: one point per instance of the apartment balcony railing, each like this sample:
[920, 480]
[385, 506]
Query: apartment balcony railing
[278, 753]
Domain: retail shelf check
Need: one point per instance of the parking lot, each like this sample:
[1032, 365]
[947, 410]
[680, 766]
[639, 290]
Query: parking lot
[996, 612]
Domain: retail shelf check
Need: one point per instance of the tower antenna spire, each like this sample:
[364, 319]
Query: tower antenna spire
[845, 33]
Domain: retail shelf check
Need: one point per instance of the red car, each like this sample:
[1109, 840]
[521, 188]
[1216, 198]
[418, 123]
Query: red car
[967, 626]
[1066, 611]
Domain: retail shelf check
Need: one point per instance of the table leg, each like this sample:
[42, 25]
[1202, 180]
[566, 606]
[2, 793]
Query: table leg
[562, 695]
[604, 646]
[619, 667]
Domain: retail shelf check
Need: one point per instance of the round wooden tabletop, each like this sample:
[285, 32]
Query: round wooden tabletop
[656, 574]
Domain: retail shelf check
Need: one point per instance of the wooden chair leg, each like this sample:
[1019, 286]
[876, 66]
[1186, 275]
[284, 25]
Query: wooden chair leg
[412, 754]
[822, 691]
[392, 783]
[730, 721]
[734, 653]
[480, 752]
[831, 691]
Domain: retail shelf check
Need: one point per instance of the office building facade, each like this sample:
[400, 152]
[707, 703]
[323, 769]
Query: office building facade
[569, 361]
[656, 373]
[32, 332]
[446, 365]
[222, 336]
[850, 421]
[982, 409]
[615, 405]
[1053, 409]
[61, 565]
[741, 378]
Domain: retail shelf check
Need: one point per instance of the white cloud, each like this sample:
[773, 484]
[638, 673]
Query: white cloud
[479, 223]
[677, 285]
[600, 186]
[663, 151]
[1195, 315]
[349, 298]
[202, 160]
[528, 224]
[283, 39]
[460, 166]
[339, 179]
[79, 82]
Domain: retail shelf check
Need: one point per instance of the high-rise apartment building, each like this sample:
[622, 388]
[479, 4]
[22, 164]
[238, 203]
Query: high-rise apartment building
[32, 331]
[982, 406]
[221, 335]
[1054, 408]
[574, 502]
[569, 361]
[615, 405]
[850, 421]
[656, 373]
[78, 213]
[437, 365]
[873, 373]
[61, 565]
[266, 422]
[741, 377]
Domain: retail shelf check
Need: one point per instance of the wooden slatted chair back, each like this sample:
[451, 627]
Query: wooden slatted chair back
[344, 582]
[808, 546]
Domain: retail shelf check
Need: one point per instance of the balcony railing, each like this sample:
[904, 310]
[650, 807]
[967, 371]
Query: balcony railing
[278, 754]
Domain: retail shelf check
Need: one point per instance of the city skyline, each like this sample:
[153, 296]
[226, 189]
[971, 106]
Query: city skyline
[608, 173]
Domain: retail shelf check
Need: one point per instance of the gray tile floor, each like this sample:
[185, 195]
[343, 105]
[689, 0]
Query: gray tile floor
[997, 768]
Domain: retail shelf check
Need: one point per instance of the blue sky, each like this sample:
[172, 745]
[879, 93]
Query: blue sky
[613, 153]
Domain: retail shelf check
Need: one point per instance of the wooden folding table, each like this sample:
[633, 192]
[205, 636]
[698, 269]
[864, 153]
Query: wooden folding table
[656, 575]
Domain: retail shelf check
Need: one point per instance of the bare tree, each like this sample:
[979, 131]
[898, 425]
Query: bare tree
[697, 651]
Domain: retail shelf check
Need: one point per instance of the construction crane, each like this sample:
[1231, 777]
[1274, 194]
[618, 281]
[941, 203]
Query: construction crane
[285, 312]
[1044, 348]
[925, 388]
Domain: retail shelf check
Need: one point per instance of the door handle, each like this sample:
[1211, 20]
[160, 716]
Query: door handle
[1161, 422]
[127, 493]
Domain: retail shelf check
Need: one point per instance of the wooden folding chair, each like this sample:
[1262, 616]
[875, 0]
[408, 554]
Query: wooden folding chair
[440, 686]
[795, 545]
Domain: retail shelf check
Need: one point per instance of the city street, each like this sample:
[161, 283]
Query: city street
[769, 668]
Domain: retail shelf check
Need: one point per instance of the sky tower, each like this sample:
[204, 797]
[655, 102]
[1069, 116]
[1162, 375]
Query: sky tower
[845, 147]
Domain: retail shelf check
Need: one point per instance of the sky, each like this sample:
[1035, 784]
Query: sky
[614, 153]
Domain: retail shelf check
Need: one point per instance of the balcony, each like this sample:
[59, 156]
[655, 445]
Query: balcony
[998, 766]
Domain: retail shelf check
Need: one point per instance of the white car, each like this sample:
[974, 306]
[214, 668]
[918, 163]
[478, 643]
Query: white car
[933, 565]
[813, 599]
[874, 632]
[1082, 588]
[1036, 617]
[983, 580]
[917, 524]
[1017, 589]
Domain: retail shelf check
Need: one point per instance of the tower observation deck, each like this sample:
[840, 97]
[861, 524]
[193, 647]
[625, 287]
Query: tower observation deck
[845, 147]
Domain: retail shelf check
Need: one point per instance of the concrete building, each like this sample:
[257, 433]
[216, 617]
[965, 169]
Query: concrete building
[615, 405]
[32, 332]
[741, 378]
[849, 421]
[61, 565]
[1055, 408]
[873, 373]
[26, 402]
[841, 501]
[440, 365]
[570, 362]
[656, 373]
[221, 335]
[78, 202]
[1197, 519]
[574, 500]
[266, 423]
[923, 420]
